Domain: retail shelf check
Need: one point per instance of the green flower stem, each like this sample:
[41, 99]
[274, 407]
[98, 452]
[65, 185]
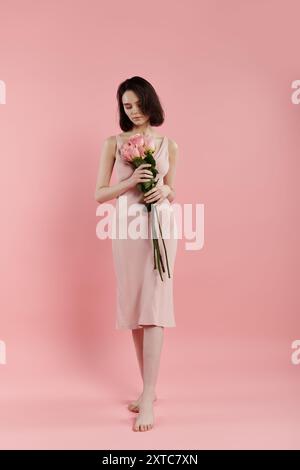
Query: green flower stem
[161, 260]
[163, 242]
[158, 263]
[156, 249]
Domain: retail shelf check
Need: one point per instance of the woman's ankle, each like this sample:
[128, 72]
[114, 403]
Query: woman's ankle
[148, 393]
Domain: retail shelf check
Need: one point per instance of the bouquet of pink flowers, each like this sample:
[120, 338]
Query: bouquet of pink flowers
[136, 151]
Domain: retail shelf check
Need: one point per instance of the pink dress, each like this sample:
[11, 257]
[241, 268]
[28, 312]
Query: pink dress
[142, 298]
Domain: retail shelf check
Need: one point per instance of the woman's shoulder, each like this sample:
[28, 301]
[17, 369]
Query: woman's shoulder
[173, 146]
[120, 137]
[111, 139]
[111, 144]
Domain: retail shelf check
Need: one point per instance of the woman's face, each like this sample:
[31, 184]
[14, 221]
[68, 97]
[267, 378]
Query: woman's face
[131, 105]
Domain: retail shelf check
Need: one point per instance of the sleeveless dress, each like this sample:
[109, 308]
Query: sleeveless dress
[142, 298]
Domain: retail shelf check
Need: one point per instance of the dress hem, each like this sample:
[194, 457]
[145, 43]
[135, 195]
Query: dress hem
[140, 325]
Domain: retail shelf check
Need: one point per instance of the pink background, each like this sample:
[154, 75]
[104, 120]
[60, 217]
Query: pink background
[223, 71]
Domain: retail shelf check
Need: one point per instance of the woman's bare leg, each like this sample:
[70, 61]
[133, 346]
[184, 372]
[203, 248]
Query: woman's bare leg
[152, 347]
[138, 336]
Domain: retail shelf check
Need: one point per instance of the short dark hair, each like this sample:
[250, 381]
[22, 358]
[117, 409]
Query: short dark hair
[150, 103]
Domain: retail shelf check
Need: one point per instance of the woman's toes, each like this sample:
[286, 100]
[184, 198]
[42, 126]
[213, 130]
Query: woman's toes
[133, 407]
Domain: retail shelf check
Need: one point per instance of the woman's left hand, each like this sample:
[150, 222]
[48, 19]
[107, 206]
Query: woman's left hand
[157, 194]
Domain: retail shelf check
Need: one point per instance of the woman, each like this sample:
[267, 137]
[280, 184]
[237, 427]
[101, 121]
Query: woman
[144, 301]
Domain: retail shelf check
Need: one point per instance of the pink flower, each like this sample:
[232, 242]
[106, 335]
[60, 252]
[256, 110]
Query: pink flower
[137, 146]
[129, 151]
[138, 140]
[149, 142]
[143, 143]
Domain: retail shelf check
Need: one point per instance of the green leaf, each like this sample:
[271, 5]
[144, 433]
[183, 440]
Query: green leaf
[150, 159]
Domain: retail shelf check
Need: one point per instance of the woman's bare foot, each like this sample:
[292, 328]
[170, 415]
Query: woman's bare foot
[135, 405]
[145, 419]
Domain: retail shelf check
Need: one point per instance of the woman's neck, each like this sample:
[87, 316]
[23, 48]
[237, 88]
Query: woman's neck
[143, 129]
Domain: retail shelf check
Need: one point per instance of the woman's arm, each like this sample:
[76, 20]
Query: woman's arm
[103, 191]
[169, 178]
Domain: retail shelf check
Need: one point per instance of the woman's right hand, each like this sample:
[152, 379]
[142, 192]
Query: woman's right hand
[140, 175]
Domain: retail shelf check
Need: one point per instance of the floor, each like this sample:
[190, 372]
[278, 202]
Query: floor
[212, 394]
